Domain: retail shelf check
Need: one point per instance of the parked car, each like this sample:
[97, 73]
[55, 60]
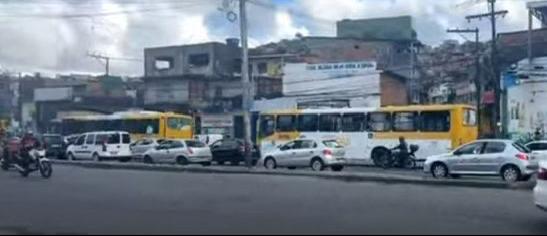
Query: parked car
[140, 147]
[540, 191]
[55, 145]
[182, 152]
[512, 161]
[539, 149]
[100, 146]
[233, 151]
[317, 154]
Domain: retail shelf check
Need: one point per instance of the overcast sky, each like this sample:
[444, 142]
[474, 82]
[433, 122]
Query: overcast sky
[51, 36]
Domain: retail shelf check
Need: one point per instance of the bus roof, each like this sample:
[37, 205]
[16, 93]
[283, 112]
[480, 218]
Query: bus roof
[370, 109]
[128, 115]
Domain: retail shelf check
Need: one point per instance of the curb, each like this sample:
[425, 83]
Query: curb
[339, 176]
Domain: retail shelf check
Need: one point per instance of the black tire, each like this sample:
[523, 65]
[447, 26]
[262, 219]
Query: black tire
[46, 169]
[148, 160]
[96, 157]
[409, 163]
[182, 161]
[510, 174]
[317, 164]
[71, 157]
[337, 168]
[439, 170]
[206, 164]
[291, 168]
[254, 162]
[270, 163]
[377, 155]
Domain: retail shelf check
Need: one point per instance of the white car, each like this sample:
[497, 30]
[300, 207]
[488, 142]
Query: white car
[98, 146]
[317, 154]
[140, 147]
[182, 152]
[539, 149]
[540, 191]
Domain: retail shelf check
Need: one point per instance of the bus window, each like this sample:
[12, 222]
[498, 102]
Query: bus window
[435, 121]
[353, 122]
[286, 123]
[469, 117]
[405, 121]
[179, 123]
[330, 122]
[267, 126]
[379, 122]
[308, 123]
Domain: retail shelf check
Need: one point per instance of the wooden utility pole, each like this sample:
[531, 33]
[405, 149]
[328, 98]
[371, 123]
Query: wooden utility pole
[495, 118]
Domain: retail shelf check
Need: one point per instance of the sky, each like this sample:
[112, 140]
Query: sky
[55, 36]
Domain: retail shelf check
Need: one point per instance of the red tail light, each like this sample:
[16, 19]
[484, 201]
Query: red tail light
[523, 156]
[327, 152]
[190, 151]
[542, 174]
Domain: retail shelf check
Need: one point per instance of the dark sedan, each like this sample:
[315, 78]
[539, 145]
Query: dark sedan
[233, 151]
[55, 145]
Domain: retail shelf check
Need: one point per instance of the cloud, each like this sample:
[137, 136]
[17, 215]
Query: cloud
[45, 43]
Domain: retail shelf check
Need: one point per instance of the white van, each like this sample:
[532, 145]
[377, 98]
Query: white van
[99, 146]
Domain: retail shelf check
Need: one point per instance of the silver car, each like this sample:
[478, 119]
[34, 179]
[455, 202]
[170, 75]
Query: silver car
[539, 149]
[140, 147]
[182, 152]
[317, 154]
[512, 161]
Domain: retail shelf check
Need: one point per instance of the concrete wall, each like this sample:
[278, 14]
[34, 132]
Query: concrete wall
[168, 91]
[393, 90]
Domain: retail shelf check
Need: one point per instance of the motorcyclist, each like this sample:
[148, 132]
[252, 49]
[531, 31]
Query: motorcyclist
[28, 142]
[401, 151]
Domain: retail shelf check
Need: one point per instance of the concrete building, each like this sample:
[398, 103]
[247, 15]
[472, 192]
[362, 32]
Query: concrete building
[203, 80]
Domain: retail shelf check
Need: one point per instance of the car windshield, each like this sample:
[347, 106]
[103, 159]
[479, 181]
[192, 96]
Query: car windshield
[521, 148]
[195, 144]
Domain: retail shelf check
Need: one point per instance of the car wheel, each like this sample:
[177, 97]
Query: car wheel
[96, 157]
[317, 165]
[148, 160]
[439, 170]
[71, 157]
[337, 168]
[270, 164]
[510, 174]
[182, 161]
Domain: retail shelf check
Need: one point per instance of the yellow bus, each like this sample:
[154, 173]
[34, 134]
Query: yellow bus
[138, 123]
[366, 132]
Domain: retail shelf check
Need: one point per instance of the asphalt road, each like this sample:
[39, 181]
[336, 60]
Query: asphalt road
[91, 201]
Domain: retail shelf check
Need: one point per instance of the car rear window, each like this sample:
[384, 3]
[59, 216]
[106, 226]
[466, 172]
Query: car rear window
[53, 139]
[195, 144]
[521, 148]
[332, 144]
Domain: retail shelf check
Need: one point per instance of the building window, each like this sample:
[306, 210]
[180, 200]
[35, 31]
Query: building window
[199, 60]
[163, 63]
[262, 68]
[197, 90]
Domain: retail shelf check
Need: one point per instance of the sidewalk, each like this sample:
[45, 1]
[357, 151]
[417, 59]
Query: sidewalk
[382, 176]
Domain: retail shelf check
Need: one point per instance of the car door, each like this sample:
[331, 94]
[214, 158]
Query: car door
[162, 153]
[466, 158]
[77, 147]
[491, 159]
[305, 153]
[286, 154]
[89, 147]
[176, 148]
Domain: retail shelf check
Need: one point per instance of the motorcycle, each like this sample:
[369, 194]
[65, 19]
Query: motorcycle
[390, 159]
[36, 161]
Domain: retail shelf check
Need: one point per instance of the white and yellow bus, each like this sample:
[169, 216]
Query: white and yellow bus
[137, 123]
[365, 132]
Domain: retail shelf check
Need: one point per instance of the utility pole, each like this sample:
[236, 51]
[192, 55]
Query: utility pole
[493, 58]
[247, 96]
[478, 84]
[102, 57]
